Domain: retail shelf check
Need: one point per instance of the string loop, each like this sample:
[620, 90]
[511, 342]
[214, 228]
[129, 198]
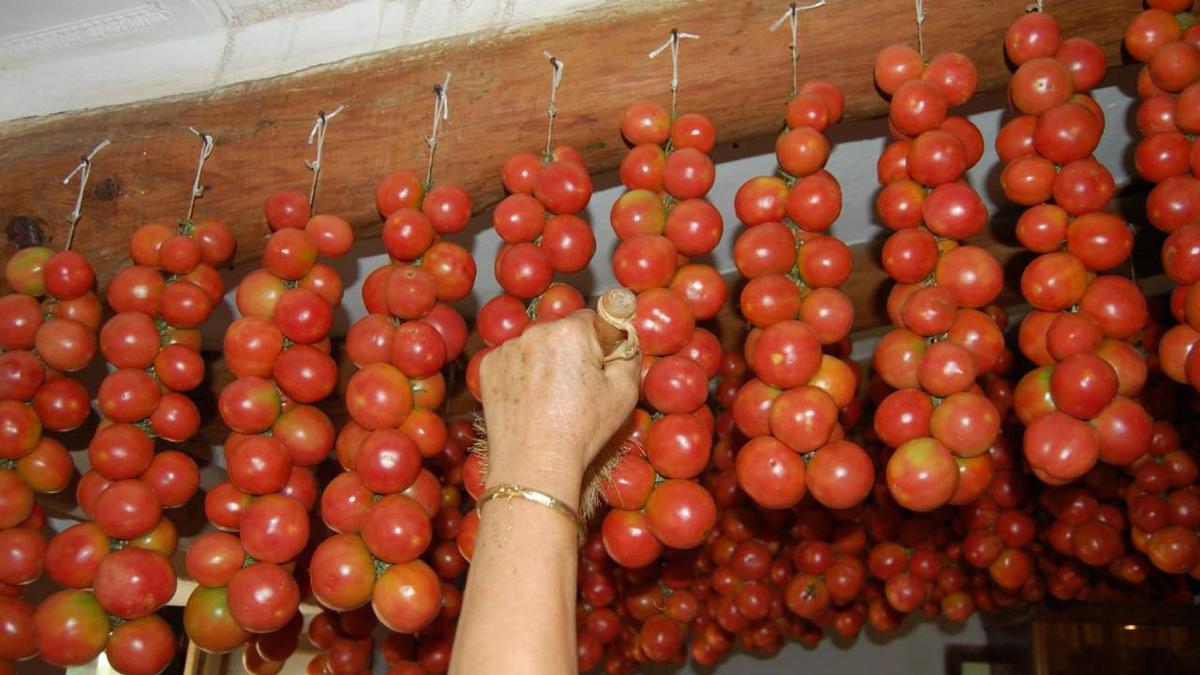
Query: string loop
[318, 134]
[441, 111]
[673, 43]
[790, 17]
[920, 7]
[84, 169]
[206, 148]
[552, 111]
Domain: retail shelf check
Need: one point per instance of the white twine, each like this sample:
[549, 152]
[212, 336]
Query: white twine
[318, 134]
[1035, 7]
[673, 43]
[920, 27]
[441, 111]
[790, 17]
[552, 111]
[206, 148]
[84, 168]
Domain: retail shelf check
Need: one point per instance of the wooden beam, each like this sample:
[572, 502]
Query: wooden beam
[737, 74]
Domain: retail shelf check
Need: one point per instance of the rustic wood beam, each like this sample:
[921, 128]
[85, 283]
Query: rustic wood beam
[737, 74]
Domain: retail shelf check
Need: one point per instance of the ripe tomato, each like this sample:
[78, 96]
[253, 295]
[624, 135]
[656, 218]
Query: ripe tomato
[936, 157]
[899, 204]
[680, 513]
[1040, 84]
[895, 65]
[132, 582]
[801, 151]
[71, 628]
[917, 106]
[840, 475]
[664, 322]
[954, 75]
[814, 202]
[524, 270]
[145, 645]
[688, 174]
[910, 255]
[1054, 281]
[570, 243]
[262, 597]
[1033, 35]
[1066, 132]
[629, 483]
[954, 211]
[675, 384]
[922, 475]
[786, 355]
[563, 187]
[127, 509]
[1083, 385]
[396, 529]
[645, 122]
[407, 596]
[966, 423]
[771, 473]
[701, 286]
[768, 248]
[1061, 446]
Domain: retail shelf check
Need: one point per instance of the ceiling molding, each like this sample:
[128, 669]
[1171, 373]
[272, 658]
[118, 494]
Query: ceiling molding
[146, 14]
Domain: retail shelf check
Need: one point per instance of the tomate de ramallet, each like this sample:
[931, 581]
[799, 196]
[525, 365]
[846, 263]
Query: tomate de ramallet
[662, 221]
[385, 507]
[938, 420]
[279, 355]
[1077, 405]
[48, 327]
[790, 410]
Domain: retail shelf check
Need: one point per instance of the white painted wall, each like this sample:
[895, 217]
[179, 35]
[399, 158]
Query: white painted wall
[77, 54]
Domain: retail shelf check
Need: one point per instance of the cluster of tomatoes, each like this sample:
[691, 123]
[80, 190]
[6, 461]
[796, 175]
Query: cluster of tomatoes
[663, 220]
[794, 409]
[1076, 404]
[1168, 157]
[278, 353]
[543, 235]
[938, 419]
[741, 514]
[48, 330]
[152, 347]
[388, 512]
[764, 576]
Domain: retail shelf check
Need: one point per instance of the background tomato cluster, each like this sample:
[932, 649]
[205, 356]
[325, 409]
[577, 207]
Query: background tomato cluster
[752, 502]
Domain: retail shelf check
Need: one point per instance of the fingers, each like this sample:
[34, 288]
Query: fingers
[623, 376]
[585, 322]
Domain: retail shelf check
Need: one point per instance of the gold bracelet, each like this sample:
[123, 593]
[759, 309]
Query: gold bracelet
[508, 491]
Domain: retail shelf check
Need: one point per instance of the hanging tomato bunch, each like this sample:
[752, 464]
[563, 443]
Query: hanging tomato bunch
[385, 507]
[790, 410]
[48, 334]
[662, 220]
[938, 420]
[1076, 404]
[747, 506]
[278, 353]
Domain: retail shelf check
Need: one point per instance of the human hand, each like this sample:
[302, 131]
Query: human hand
[551, 404]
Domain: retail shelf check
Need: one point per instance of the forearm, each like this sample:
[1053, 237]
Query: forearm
[518, 612]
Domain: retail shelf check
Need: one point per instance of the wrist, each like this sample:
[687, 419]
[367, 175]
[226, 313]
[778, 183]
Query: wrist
[556, 478]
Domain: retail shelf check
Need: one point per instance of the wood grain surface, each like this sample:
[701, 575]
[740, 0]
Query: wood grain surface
[737, 73]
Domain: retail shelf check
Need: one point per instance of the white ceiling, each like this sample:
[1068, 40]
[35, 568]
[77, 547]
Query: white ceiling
[77, 54]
